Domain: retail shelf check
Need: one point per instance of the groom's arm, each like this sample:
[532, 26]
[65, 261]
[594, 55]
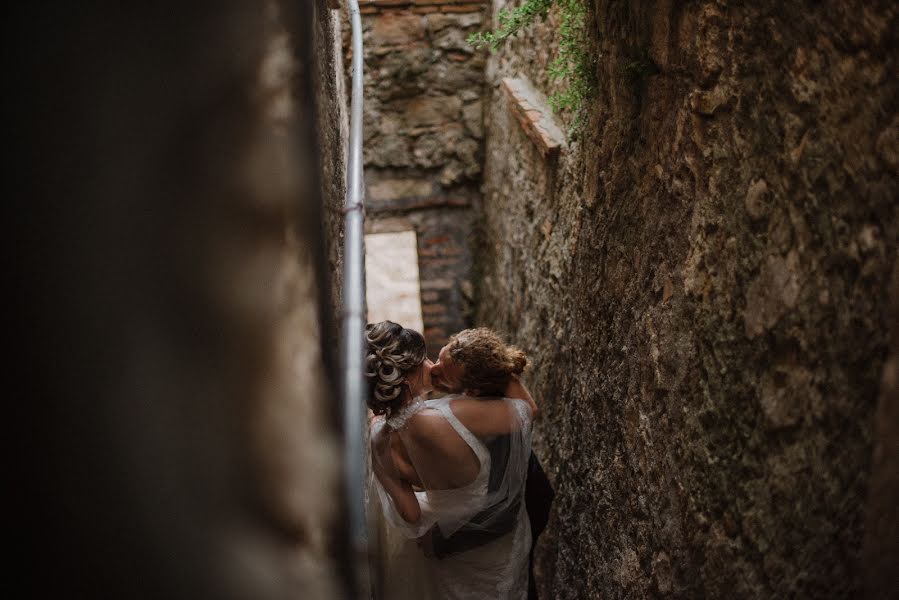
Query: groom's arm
[475, 534]
[539, 495]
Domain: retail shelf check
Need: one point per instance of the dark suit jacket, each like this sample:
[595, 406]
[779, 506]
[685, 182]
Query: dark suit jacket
[538, 497]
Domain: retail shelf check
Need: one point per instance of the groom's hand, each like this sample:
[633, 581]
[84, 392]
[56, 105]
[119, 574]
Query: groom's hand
[426, 543]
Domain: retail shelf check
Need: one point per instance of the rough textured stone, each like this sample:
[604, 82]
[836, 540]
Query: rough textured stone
[395, 28]
[425, 111]
[707, 348]
[390, 189]
[772, 294]
[332, 129]
[473, 117]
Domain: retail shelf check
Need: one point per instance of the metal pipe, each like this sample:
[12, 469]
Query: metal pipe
[353, 318]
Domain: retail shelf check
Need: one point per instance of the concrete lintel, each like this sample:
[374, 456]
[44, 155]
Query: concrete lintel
[534, 115]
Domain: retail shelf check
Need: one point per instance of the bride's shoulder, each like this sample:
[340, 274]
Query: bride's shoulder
[427, 426]
[427, 418]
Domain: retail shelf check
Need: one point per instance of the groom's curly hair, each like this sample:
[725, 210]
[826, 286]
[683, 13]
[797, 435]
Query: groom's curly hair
[488, 362]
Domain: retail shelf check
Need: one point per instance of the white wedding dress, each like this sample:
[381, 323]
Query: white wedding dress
[498, 569]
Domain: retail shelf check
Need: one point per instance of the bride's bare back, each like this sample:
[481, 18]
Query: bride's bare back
[428, 453]
[439, 451]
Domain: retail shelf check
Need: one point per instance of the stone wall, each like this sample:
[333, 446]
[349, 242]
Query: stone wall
[332, 131]
[423, 141]
[701, 281]
[444, 264]
[881, 547]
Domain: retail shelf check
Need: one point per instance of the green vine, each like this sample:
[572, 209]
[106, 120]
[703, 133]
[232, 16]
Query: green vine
[573, 67]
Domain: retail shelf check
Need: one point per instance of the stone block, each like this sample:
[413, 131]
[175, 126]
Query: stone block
[392, 189]
[441, 21]
[473, 117]
[757, 203]
[393, 29]
[432, 110]
[453, 39]
[450, 77]
[462, 8]
[772, 294]
[430, 150]
[388, 151]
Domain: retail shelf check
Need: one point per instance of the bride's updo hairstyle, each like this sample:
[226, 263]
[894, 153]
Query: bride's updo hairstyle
[488, 363]
[393, 351]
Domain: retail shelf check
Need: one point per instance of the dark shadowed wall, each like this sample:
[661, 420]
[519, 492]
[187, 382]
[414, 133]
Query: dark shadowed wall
[177, 427]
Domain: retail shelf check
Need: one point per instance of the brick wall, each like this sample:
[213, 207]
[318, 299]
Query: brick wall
[423, 141]
[419, 7]
[444, 265]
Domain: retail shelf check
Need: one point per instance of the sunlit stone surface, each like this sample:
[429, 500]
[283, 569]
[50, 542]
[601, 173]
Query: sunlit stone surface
[391, 278]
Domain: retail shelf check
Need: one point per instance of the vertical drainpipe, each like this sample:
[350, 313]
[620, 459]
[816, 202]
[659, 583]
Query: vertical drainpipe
[353, 321]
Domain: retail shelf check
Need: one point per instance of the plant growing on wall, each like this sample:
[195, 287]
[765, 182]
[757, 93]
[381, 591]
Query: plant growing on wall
[573, 66]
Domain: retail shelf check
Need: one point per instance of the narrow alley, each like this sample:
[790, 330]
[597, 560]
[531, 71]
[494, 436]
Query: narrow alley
[684, 215]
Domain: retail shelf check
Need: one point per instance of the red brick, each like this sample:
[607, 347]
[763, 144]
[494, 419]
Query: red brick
[424, 10]
[437, 239]
[462, 8]
[441, 319]
[441, 262]
[437, 284]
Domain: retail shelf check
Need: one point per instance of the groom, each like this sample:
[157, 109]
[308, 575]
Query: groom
[450, 375]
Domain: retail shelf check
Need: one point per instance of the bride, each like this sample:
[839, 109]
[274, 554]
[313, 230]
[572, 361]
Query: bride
[431, 467]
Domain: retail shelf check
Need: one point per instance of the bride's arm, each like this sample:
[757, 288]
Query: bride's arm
[399, 490]
[403, 497]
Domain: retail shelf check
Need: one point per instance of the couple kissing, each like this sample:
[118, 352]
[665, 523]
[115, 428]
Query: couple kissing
[456, 497]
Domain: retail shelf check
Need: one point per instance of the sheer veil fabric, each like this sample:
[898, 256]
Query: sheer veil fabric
[462, 486]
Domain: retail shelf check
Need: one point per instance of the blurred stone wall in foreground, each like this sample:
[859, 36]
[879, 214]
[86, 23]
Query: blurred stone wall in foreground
[179, 419]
